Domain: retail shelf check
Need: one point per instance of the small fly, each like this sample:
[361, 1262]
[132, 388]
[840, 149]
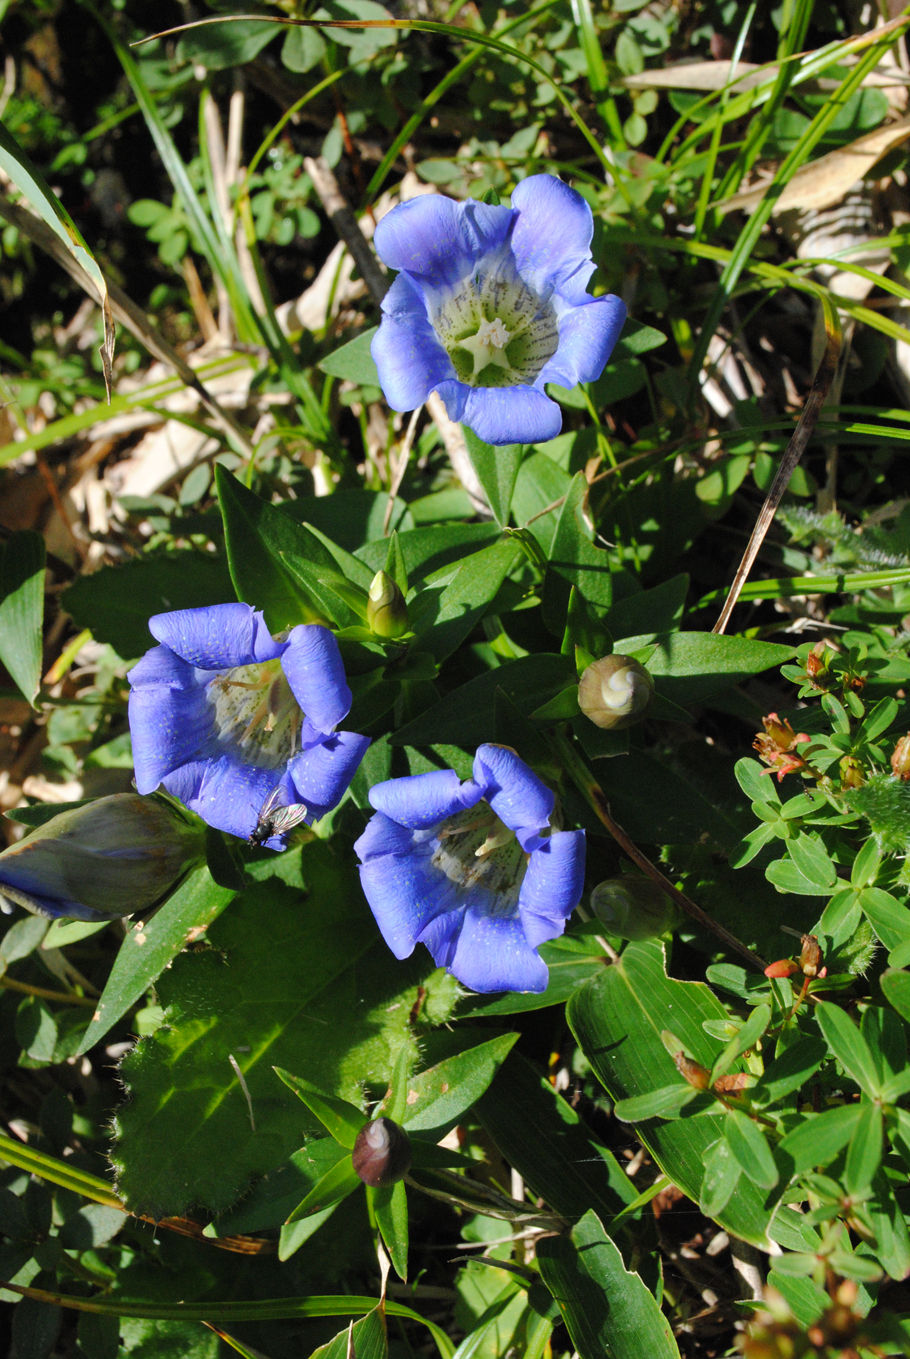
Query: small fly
[275, 820]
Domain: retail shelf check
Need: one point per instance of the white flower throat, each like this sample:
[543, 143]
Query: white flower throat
[256, 710]
[497, 331]
[477, 850]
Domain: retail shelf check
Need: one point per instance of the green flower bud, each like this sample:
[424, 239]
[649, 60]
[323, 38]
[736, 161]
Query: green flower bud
[851, 772]
[634, 908]
[615, 691]
[113, 857]
[387, 613]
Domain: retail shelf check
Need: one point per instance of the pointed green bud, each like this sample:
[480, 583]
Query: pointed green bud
[615, 692]
[115, 856]
[387, 613]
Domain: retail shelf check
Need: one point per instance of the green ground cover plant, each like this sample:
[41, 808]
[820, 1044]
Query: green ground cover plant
[454, 583]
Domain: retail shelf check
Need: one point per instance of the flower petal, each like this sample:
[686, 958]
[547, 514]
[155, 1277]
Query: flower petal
[382, 836]
[168, 725]
[439, 239]
[405, 894]
[503, 415]
[422, 800]
[406, 350]
[226, 794]
[552, 885]
[551, 241]
[214, 637]
[587, 335]
[488, 952]
[313, 667]
[322, 772]
[516, 794]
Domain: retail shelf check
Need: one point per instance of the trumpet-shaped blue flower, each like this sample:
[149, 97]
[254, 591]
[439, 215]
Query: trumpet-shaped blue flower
[229, 718]
[472, 870]
[490, 305]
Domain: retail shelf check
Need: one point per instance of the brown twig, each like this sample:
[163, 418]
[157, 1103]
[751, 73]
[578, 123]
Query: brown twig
[596, 798]
[792, 454]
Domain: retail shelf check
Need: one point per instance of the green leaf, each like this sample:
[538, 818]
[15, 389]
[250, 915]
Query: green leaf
[667, 1102]
[896, 990]
[116, 602]
[294, 977]
[618, 1020]
[426, 550]
[574, 557]
[691, 666]
[864, 1153]
[150, 947]
[390, 1204]
[722, 1174]
[888, 917]
[336, 1184]
[353, 361]
[790, 1071]
[849, 1047]
[808, 872]
[262, 543]
[748, 1036]
[18, 166]
[22, 559]
[607, 1309]
[750, 1149]
[341, 1120]
[439, 1096]
[556, 1154]
[365, 1338]
[497, 470]
[817, 1140]
[443, 616]
[219, 46]
[274, 1197]
[528, 682]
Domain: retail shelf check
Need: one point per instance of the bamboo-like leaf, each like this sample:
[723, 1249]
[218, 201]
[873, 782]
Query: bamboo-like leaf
[36, 191]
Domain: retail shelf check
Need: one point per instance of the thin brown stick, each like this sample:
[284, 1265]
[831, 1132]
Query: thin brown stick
[788, 463]
[596, 798]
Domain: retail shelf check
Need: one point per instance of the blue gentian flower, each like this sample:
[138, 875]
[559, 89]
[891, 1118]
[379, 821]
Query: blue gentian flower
[111, 857]
[223, 714]
[472, 870]
[490, 305]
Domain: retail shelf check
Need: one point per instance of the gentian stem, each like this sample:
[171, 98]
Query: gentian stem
[596, 799]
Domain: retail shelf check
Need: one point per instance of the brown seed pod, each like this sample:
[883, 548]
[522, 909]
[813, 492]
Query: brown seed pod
[382, 1152]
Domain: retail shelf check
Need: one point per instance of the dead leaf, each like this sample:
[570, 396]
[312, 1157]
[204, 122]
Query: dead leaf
[825, 181]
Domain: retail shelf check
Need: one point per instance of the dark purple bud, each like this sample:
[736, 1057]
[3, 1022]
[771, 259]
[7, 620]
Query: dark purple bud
[382, 1152]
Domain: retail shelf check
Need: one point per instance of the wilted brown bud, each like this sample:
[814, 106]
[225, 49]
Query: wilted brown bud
[615, 692]
[697, 1075]
[634, 908]
[387, 613]
[900, 758]
[810, 956]
[382, 1153]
